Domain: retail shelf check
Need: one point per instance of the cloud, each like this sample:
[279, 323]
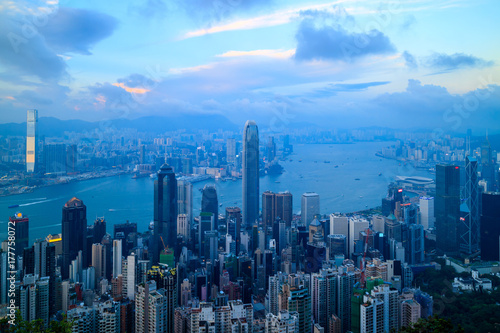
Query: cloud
[33, 41]
[454, 61]
[410, 60]
[321, 37]
[280, 54]
[214, 11]
[73, 30]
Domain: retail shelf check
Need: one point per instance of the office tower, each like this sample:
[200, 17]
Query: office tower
[211, 245]
[268, 209]
[270, 150]
[284, 207]
[127, 233]
[74, 233]
[490, 226]
[31, 141]
[447, 208]
[427, 218]
[356, 225]
[309, 207]
[183, 226]
[3, 276]
[21, 227]
[337, 244]
[284, 322]
[230, 151]
[165, 212]
[233, 220]
[99, 229]
[71, 159]
[185, 199]
[339, 224]
[54, 159]
[117, 257]
[185, 293]
[206, 223]
[414, 250]
[250, 173]
[210, 203]
[469, 209]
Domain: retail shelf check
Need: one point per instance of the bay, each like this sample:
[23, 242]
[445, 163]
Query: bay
[122, 198]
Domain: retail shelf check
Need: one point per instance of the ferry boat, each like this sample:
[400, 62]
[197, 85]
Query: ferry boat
[13, 206]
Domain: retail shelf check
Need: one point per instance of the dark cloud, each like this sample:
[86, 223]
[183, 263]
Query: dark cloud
[32, 45]
[321, 36]
[410, 60]
[77, 30]
[444, 61]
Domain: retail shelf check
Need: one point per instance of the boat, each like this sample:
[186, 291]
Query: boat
[220, 205]
[356, 178]
[360, 196]
[380, 174]
[336, 166]
[300, 160]
[326, 161]
[277, 181]
[140, 175]
[13, 206]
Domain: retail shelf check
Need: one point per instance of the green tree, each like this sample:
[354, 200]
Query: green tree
[432, 324]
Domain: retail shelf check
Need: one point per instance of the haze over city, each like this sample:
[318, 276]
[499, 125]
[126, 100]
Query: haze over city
[265, 166]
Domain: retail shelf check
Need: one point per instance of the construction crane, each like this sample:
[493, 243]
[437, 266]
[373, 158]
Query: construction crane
[362, 265]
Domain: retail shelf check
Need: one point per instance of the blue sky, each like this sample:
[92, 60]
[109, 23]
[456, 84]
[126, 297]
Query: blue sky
[340, 64]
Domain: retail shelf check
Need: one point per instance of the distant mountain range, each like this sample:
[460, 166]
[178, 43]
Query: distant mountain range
[49, 126]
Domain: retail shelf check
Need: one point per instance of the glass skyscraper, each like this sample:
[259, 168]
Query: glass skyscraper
[74, 233]
[250, 171]
[447, 208]
[165, 212]
[31, 140]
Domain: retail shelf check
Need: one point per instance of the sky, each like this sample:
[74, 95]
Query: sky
[342, 64]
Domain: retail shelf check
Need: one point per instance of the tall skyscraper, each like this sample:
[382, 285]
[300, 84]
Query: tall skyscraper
[250, 172]
[469, 219]
[233, 220]
[268, 208]
[427, 218]
[165, 212]
[185, 199]
[447, 208]
[284, 207]
[117, 257]
[490, 226]
[309, 207]
[31, 141]
[230, 150]
[74, 233]
[71, 159]
[22, 227]
[210, 203]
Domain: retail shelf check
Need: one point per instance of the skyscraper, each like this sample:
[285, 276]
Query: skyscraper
[117, 257]
[165, 212]
[250, 172]
[268, 209]
[74, 233]
[469, 226]
[233, 220]
[230, 150]
[490, 226]
[447, 208]
[309, 207]
[22, 227]
[31, 141]
[284, 207]
[209, 203]
[185, 199]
